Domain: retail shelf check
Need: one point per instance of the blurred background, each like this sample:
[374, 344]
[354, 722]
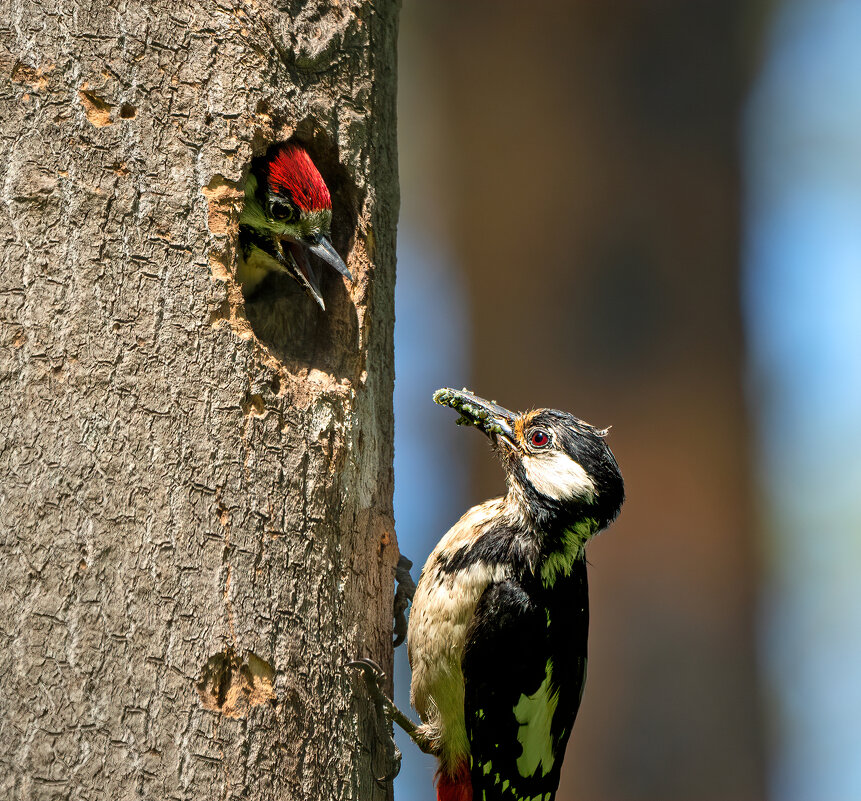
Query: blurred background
[649, 214]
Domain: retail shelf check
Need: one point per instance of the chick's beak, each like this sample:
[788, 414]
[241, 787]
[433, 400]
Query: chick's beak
[293, 256]
[494, 420]
[323, 248]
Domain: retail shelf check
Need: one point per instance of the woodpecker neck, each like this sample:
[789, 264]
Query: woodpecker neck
[544, 514]
[558, 533]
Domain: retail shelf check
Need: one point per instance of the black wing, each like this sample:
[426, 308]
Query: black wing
[524, 666]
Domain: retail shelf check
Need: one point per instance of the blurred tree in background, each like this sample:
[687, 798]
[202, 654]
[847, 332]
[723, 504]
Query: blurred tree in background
[575, 167]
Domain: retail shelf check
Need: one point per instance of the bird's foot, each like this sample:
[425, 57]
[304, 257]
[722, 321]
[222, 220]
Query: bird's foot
[404, 592]
[373, 676]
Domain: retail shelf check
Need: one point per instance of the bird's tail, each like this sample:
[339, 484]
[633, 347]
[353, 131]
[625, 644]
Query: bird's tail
[455, 786]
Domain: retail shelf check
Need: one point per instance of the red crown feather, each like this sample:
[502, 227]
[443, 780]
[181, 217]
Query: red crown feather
[292, 172]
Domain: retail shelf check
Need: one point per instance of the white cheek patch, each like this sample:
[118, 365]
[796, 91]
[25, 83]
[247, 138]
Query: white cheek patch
[558, 476]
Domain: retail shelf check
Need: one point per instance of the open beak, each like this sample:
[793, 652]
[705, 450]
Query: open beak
[295, 258]
[494, 420]
[302, 270]
[323, 248]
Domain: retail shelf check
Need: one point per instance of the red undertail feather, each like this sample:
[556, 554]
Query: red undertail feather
[291, 171]
[454, 788]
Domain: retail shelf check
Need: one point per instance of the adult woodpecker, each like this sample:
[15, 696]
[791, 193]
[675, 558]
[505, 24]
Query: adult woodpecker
[287, 213]
[498, 628]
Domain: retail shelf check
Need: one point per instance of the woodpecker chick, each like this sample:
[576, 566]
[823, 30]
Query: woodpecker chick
[498, 628]
[287, 214]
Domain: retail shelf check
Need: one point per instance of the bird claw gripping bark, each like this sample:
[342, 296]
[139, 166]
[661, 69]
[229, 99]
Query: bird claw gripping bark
[373, 674]
[406, 589]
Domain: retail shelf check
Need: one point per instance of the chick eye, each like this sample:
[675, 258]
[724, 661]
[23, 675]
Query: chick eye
[539, 438]
[281, 211]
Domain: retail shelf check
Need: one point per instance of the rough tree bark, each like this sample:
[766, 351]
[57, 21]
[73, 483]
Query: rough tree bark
[195, 503]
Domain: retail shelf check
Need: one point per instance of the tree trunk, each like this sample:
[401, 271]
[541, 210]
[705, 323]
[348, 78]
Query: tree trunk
[195, 508]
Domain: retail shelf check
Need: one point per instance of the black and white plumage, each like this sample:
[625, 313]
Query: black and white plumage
[498, 628]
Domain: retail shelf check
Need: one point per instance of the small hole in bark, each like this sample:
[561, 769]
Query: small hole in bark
[97, 109]
[253, 406]
[128, 111]
[232, 685]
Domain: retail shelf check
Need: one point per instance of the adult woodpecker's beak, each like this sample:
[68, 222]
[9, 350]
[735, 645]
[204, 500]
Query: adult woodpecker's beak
[494, 420]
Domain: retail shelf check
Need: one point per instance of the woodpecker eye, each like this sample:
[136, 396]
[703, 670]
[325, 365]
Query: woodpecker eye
[539, 438]
[281, 211]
